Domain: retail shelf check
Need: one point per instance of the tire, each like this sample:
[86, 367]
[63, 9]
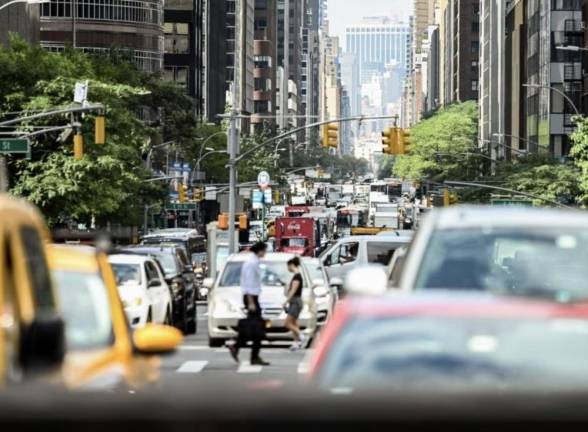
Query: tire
[216, 342]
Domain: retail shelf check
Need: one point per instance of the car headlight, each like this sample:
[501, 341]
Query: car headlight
[136, 301]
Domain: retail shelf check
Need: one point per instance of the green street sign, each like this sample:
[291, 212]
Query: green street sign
[15, 146]
[181, 207]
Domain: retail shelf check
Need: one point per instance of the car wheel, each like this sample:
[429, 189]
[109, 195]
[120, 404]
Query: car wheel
[216, 342]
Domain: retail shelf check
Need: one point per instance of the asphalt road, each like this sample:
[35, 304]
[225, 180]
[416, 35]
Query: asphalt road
[195, 364]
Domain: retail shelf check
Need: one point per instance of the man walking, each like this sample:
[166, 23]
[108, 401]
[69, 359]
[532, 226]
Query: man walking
[251, 290]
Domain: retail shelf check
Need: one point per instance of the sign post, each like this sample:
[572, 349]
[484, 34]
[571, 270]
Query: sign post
[11, 146]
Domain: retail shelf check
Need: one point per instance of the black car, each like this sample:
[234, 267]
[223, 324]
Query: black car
[180, 278]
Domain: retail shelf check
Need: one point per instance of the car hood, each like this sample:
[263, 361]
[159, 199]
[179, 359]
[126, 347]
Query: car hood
[130, 291]
[270, 296]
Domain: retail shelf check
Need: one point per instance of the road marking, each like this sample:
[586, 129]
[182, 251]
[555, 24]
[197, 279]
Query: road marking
[303, 368]
[193, 348]
[192, 367]
[247, 368]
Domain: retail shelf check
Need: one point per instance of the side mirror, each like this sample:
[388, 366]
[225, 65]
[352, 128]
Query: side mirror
[208, 283]
[327, 261]
[154, 283]
[369, 280]
[43, 342]
[188, 268]
[157, 339]
[320, 291]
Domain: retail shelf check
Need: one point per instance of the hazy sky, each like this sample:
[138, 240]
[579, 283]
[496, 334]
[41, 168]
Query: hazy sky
[343, 13]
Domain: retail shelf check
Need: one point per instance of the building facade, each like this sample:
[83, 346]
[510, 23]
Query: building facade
[184, 46]
[134, 27]
[19, 18]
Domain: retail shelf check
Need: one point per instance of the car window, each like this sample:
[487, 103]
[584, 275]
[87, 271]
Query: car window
[37, 267]
[182, 257]
[86, 310]
[127, 273]
[380, 252]
[349, 252]
[548, 263]
[169, 263]
[334, 257]
[151, 272]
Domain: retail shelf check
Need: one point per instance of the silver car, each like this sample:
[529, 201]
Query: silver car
[326, 295]
[526, 252]
[225, 301]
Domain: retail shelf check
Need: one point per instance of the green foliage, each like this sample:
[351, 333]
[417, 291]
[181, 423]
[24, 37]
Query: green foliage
[579, 153]
[107, 185]
[439, 146]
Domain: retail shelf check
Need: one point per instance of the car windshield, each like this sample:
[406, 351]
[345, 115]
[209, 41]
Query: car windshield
[86, 310]
[273, 274]
[127, 273]
[168, 263]
[529, 262]
[416, 352]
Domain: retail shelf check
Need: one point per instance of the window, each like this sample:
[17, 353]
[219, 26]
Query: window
[36, 265]
[380, 253]
[127, 274]
[474, 85]
[151, 272]
[475, 47]
[177, 38]
[348, 252]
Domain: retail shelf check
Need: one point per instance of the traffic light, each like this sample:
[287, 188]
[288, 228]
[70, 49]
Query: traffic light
[390, 141]
[330, 135]
[198, 194]
[243, 222]
[78, 146]
[223, 221]
[181, 193]
[404, 141]
[100, 130]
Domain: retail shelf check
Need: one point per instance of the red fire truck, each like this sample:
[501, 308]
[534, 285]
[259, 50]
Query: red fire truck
[298, 235]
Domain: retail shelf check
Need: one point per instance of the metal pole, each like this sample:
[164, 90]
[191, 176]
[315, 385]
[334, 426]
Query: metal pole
[233, 137]
[73, 23]
[146, 219]
[3, 174]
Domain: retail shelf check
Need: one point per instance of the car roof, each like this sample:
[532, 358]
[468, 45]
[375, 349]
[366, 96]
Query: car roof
[475, 216]
[72, 258]
[151, 249]
[176, 233]
[128, 259]
[460, 304]
[378, 238]
[272, 256]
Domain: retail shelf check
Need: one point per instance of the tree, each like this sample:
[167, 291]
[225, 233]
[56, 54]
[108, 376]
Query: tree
[107, 185]
[579, 153]
[443, 146]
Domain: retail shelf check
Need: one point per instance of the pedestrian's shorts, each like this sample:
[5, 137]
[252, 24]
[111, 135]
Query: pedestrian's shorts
[295, 307]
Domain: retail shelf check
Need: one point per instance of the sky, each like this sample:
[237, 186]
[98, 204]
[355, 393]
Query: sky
[343, 13]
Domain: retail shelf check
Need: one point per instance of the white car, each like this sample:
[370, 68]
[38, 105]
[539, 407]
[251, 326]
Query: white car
[225, 301]
[142, 288]
[325, 294]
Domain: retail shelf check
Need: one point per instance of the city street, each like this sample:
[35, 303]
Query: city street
[194, 364]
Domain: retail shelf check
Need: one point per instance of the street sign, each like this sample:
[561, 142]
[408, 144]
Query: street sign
[263, 179]
[257, 199]
[267, 196]
[81, 92]
[15, 146]
[181, 206]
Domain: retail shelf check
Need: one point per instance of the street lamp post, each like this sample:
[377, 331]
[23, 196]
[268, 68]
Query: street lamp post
[558, 91]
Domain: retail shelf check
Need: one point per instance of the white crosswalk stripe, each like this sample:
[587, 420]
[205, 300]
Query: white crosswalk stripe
[192, 367]
[194, 348]
[247, 368]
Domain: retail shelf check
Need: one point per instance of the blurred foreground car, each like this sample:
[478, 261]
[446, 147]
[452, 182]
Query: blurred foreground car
[452, 342]
[31, 328]
[142, 288]
[225, 301]
[181, 280]
[517, 251]
[101, 349]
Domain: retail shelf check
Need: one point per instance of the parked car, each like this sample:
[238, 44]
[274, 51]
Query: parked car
[102, 352]
[189, 239]
[28, 308]
[325, 294]
[180, 278]
[357, 251]
[143, 290]
[225, 301]
[395, 267]
[518, 251]
[451, 342]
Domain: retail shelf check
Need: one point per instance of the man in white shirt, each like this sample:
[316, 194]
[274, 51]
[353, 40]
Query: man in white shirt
[251, 290]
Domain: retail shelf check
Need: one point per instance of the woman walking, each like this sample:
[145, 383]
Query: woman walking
[293, 304]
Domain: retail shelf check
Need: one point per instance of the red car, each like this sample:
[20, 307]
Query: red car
[452, 342]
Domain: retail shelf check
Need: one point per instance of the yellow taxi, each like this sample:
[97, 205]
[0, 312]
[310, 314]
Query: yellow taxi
[102, 353]
[31, 329]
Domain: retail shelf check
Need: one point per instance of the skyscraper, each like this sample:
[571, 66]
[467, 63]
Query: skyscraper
[377, 42]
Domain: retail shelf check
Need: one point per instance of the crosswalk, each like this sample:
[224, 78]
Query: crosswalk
[198, 366]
